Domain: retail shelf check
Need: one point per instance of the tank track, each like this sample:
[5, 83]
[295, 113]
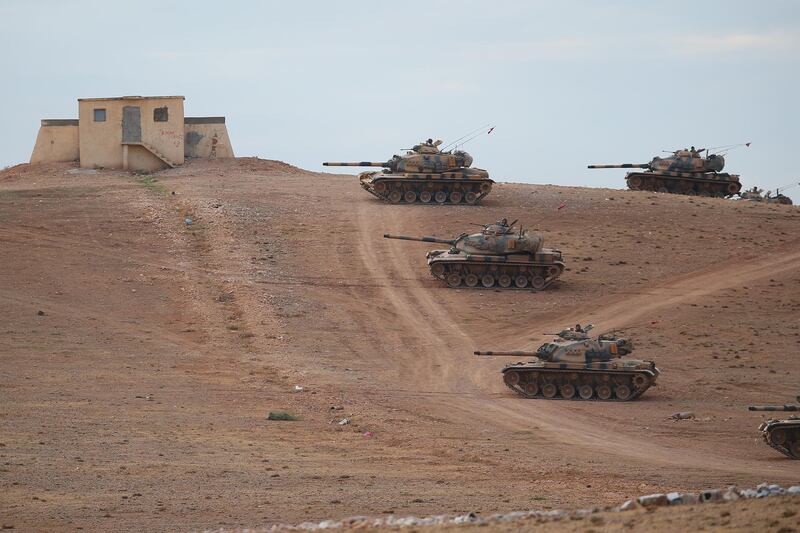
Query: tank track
[491, 275]
[536, 383]
[791, 445]
[709, 184]
[426, 189]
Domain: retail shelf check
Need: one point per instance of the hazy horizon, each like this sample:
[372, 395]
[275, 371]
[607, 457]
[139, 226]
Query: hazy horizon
[565, 85]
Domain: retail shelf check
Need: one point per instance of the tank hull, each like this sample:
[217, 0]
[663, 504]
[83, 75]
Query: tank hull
[517, 271]
[608, 381]
[716, 184]
[459, 186]
[783, 435]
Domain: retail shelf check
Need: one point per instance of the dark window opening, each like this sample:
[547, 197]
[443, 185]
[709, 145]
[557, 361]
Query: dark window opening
[99, 115]
[160, 114]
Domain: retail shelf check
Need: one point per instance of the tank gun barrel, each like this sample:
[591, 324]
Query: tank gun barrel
[787, 407]
[507, 354]
[623, 165]
[421, 239]
[356, 164]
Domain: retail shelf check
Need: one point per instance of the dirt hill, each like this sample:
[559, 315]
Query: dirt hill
[150, 323]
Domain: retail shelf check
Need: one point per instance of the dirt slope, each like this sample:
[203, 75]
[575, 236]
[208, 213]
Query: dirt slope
[172, 323]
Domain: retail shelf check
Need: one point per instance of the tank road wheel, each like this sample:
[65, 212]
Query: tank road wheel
[662, 189]
[511, 378]
[410, 197]
[623, 392]
[521, 282]
[690, 192]
[425, 197]
[549, 390]
[585, 392]
[635, 183]
[778, 437]
[733, 188]
[640, 381]
[538, 282]
[380, 187]
[455, 197]
[471, 280]
[395, 196]
[531, 388]
[567, 390]
[603, 392]
[487, 280]
[553, 271]
[440, 197]
[471, 198]
[794, 448]
[437, 269]
[504, 281]
[453, 280]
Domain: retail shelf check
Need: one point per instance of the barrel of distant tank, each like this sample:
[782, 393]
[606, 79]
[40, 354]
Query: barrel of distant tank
[420, 239]
[356, 164]
[787, 407]
[506, 354]
[622, 165]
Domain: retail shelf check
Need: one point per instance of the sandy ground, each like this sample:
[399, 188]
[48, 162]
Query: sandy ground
[140, 354]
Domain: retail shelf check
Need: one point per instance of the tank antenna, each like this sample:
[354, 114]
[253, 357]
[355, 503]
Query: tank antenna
[474, 133]
[722, 150]
[491, 129]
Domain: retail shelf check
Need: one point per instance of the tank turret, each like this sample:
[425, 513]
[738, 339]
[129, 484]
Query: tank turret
[586, 367]
[499, 256]
[424, 174]
[781, 434]
[683, 172]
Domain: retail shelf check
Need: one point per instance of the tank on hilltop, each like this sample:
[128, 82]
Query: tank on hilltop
[499, 256]
[577, 366]
[755, 195]
[781, 434]
[424, 174]
[683, 172]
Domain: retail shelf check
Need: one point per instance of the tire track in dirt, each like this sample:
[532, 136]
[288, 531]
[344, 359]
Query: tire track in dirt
[446, 363]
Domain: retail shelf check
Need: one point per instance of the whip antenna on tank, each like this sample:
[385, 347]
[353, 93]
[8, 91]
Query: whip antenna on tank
[724, 149]
[474, 133]
[474, 136]
[784, 187]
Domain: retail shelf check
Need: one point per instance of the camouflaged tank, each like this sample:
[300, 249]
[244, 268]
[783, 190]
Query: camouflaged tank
[575, 366]
[783, 435]
[425, 174]
[755, 195]
[684, 172]
[498, 256]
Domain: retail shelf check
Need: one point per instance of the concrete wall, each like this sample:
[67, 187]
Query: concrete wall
[57, 141]
[101, 142]
[206, 137]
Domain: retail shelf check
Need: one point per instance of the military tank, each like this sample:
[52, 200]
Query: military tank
[783, 435]
[755, 195]
[684, 172]
[576, 366]
[499, 256]
[424, 174]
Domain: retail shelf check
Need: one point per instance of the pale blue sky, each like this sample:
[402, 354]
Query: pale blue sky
[566, 83]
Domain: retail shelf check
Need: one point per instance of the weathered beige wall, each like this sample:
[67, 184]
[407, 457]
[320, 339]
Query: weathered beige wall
[206, 137]
[142, 160]
[57, 141]
[101, 142]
